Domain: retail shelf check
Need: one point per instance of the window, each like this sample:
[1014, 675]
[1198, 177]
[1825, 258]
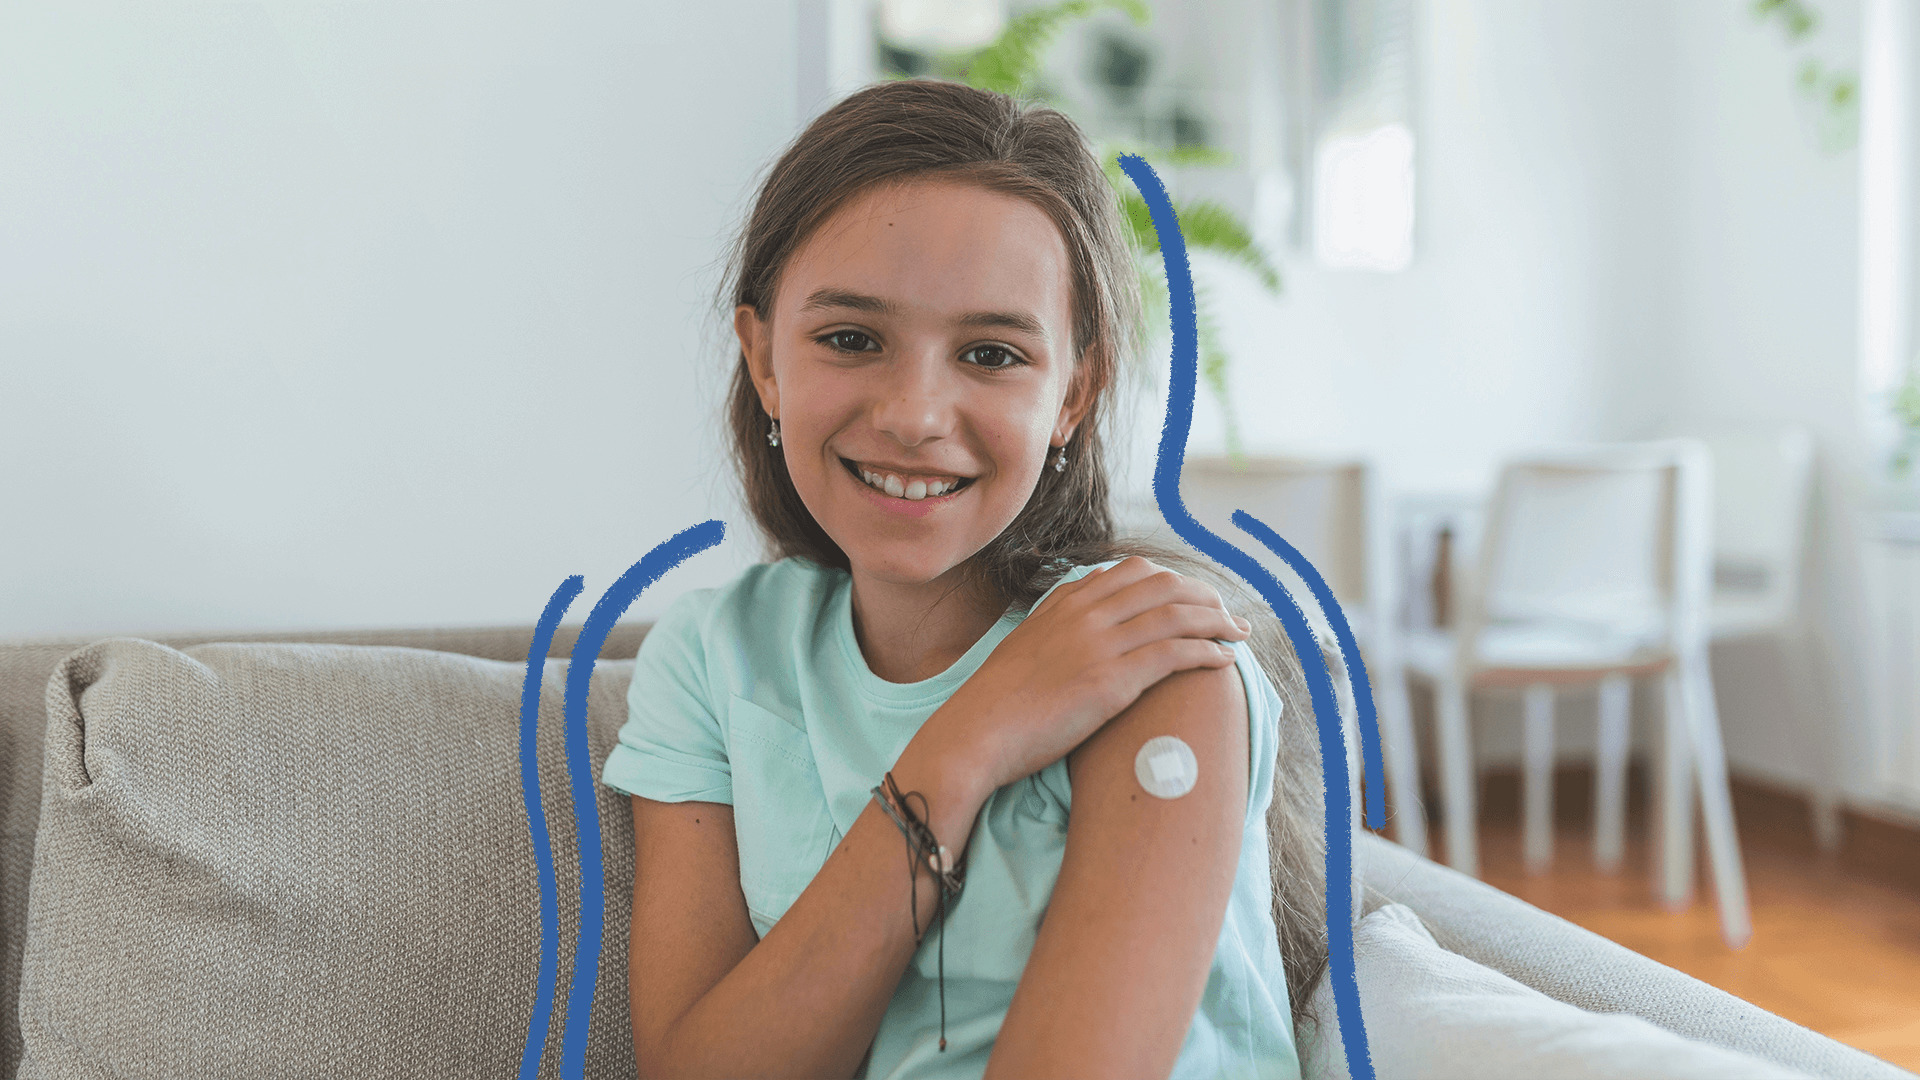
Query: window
[1349, 67]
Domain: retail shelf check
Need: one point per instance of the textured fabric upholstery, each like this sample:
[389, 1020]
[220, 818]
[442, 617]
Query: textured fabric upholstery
[263, 719]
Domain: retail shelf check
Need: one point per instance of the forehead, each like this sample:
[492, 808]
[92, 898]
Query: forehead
[935, 248]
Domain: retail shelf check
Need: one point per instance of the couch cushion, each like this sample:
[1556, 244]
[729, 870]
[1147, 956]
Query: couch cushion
[1575, 965]
[24, 667]
[263, 860]
[1433, 1013]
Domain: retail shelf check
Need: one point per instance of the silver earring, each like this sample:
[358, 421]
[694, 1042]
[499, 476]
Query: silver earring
[773, 434]
[1060, 463]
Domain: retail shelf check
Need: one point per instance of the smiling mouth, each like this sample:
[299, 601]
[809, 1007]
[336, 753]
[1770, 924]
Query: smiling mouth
[909, 488]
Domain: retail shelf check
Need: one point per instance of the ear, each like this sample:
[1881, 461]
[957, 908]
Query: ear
[1080, 395]
[756, 344]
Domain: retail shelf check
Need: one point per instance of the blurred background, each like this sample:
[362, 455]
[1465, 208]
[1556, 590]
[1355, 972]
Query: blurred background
[338, 314]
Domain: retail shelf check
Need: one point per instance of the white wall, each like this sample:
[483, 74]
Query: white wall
[1626, 227]
[320, 314]
[1768, 254]
[1535, 304]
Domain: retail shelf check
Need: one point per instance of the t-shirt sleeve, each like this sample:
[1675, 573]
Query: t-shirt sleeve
[671, 748]
[1263, 728]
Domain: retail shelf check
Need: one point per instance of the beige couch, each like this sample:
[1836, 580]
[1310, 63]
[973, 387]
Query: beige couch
[314, 859]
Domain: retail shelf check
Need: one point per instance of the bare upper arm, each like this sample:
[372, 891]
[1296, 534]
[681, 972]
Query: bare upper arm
[1122, 956]
[690, 921]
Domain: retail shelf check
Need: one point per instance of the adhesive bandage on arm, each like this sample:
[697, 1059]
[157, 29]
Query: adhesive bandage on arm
[1166, 767]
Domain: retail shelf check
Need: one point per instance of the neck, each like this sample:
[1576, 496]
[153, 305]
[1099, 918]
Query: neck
[910, 632]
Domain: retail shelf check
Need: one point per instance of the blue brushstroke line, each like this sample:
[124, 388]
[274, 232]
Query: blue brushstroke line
[1166, 490]
[1375, 786]
[557, 605]
[607, 610]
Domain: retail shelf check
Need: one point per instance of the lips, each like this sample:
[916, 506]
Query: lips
[905, 484]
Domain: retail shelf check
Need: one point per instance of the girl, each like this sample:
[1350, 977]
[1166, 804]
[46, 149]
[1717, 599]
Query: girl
[931, 296]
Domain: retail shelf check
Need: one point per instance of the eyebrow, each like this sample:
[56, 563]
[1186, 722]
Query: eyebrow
[827, 299]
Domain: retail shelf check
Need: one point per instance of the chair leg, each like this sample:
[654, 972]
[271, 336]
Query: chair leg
[1610, 768]
[1456, 775]
[1716, 800]
[1536, 786]
[1675, 803]
[1402, 758]
[1811, 713]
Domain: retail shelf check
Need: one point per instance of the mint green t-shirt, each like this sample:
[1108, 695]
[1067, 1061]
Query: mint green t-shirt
[756, 694]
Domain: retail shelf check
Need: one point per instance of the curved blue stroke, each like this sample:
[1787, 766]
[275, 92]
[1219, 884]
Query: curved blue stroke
[557, 605]
[1374, 785]
[612, 604]
[1166, 491]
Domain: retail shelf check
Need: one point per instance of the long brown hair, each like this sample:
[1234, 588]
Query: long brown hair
[922, 129]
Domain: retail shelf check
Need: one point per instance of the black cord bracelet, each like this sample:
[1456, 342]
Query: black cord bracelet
[923, 846]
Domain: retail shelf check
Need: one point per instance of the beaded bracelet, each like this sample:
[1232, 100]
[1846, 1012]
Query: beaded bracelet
[922, 845]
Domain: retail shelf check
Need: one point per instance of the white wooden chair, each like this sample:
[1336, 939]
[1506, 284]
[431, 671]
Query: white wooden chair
[1763, 481]
[1331, 511]
[1595, 566]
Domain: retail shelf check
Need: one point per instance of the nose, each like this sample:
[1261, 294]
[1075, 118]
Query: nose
[915, 400]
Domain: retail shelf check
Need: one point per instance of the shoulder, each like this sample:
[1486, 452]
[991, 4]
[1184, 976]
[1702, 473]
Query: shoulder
[759, 596]
[1209, 705]
[721, 634]
[1072, 573]
[1229, 717]
[731, 638]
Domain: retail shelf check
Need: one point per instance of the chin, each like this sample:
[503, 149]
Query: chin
[901, 564]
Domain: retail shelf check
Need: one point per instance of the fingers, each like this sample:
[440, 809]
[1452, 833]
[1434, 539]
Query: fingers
[1107, 580]
[1176, 620]
[1150, 601]
[1143, 586]
[1100, 585]
[1158, 659]
[1095, 583]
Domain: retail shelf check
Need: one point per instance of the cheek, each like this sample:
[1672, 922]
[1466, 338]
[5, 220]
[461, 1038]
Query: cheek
[1023, 432]
[1020, 452]
[812, 412]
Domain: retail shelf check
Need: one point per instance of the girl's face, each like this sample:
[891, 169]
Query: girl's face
[919, 362]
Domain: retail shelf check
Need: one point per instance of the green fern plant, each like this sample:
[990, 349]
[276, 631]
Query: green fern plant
[1833, 91]
[1011, 64]
[1905, 405]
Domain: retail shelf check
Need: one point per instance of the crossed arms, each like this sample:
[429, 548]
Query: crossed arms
[1117, 969]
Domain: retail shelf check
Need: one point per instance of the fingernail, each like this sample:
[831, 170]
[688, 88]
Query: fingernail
[1242, 623]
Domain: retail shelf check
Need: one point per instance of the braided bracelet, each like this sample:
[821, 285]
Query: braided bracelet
[949, 877]
[920, 839]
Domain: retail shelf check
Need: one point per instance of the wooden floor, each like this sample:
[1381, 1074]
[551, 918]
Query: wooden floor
[1836, 944]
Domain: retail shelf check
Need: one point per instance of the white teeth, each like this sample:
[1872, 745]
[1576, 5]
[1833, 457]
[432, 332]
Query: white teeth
[913, 490]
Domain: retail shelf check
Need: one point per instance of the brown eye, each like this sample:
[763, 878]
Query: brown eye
[845, 340]
[994, 357]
